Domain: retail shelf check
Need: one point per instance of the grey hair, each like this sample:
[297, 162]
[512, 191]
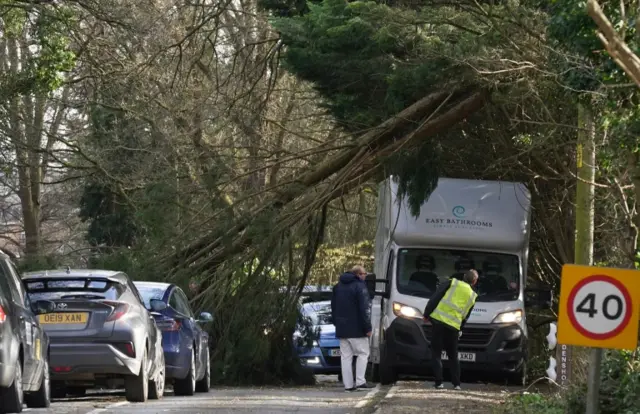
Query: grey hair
[470, 276]
[357, 269]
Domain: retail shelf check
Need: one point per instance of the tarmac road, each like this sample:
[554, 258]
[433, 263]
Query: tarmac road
[328, 397]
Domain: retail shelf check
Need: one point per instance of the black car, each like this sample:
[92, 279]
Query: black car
[24, 347]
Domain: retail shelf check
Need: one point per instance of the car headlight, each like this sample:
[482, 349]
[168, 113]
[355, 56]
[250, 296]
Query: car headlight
[509, 317]
[406, 311]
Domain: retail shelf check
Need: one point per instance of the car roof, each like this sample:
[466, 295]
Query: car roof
[153, 285]
[75, 273]
[317, 305]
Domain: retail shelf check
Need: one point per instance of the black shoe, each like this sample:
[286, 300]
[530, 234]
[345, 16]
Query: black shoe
[350, 389]
[366, 385]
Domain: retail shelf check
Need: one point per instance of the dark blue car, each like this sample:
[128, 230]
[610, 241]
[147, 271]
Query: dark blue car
[185, 344]
[323, 357]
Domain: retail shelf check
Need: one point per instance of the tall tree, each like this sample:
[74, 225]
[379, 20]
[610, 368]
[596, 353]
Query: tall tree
[33, 54]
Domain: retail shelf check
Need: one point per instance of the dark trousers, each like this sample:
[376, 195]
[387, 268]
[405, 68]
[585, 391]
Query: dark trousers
[446, 338]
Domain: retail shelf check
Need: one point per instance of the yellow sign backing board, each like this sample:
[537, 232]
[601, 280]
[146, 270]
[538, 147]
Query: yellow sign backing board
[599, 307]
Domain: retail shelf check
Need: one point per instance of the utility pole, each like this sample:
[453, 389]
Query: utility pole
[585, 194]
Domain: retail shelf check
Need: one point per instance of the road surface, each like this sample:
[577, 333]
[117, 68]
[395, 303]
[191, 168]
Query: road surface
[328, 397]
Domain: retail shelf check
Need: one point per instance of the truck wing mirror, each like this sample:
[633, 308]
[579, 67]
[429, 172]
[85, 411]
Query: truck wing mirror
[541, 298]
[371, 282]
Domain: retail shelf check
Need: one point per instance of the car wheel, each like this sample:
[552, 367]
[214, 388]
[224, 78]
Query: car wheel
[58, 390]
[76, 391]
[42, 397]
[205, 383]
[137, 386]
[12, 397]
[187, 385]
[387, 371]
[156, 387]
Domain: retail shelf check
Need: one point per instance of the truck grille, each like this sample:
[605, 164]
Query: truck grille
[471, 337]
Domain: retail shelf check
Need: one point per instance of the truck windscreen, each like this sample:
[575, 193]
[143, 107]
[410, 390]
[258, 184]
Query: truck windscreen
[421, 271]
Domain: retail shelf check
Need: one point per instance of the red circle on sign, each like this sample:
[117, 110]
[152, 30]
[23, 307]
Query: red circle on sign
[627, 301]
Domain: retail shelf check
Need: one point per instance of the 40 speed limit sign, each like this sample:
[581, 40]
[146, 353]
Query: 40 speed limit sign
[599, 307]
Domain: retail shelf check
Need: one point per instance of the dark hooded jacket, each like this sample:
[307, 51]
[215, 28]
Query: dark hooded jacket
[351, 307]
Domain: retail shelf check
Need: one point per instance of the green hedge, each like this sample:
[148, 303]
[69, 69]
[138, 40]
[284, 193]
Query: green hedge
[619, 391]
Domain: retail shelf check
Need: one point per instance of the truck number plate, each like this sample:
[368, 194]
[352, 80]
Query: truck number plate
[462, 356]
[334, 352]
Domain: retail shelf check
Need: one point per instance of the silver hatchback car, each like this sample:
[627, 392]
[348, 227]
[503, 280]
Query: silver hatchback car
[100, 333]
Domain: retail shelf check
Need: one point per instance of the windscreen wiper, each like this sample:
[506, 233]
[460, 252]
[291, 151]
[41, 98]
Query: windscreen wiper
[495, 295]
[420, 293]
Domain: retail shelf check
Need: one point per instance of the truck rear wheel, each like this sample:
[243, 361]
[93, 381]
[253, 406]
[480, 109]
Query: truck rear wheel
[388, 374]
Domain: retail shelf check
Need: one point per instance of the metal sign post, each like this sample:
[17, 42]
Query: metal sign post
[593, 381]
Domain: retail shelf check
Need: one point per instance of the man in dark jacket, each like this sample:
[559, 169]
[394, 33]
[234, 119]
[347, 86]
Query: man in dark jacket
[351, 312]
[447, 311]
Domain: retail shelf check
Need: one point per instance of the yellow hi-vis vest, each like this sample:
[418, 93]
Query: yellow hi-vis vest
[455, 304]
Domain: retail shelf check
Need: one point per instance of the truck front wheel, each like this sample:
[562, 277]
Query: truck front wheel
[375, 372]
[387, 371]
[519, 377]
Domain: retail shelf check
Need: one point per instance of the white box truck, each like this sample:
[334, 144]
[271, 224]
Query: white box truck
[465, 224]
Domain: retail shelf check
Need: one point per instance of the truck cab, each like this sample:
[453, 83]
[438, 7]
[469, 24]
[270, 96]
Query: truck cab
[465, 224]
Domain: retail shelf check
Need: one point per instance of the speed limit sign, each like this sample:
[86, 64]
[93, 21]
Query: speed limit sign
[599, 307]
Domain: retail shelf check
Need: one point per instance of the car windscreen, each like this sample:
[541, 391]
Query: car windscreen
[421, 271]
[318, 313]
[77, 288]
[316, 296]
[149, 292]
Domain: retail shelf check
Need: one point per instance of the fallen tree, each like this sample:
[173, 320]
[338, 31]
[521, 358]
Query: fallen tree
[312, 190]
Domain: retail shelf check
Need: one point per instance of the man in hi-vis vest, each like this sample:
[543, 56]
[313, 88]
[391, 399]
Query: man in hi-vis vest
[448, 310]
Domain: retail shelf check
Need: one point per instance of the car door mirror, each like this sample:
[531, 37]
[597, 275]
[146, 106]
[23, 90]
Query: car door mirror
[43, 306]
[371, 282]
[157, 305]
[205, 317]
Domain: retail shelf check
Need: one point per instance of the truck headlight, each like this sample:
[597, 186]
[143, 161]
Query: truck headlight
[406, 311]
[509, 317]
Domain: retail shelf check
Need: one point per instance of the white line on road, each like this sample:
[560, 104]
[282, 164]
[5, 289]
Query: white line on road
[109, 407]
[390, 394]
[368, 397]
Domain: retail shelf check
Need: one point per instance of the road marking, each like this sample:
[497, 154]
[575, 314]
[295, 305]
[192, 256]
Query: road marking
[368, 397]
[109, 407]
[392, 392]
